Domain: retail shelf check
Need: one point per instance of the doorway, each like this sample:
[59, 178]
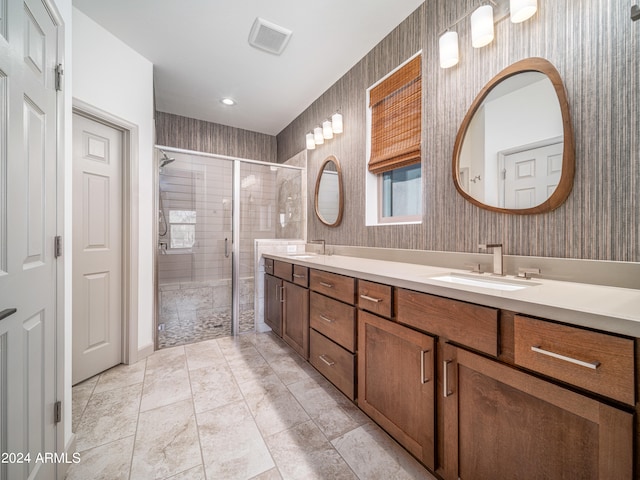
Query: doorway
[105, 239]
[211, 209]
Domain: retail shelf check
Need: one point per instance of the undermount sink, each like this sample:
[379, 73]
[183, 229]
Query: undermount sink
[494, 283]
[302, 255]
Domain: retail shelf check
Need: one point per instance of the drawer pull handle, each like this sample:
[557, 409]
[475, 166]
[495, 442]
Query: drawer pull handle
[422, 379]
[326, 319]
[328, 285]
[329, 362]
[297, 275]
[591, 365]
[371, 299]
[445, 383]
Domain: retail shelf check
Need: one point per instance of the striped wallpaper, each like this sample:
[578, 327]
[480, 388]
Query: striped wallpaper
[594, 45]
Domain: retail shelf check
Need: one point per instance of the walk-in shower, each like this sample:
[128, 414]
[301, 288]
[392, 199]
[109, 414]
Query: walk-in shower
[210, 211]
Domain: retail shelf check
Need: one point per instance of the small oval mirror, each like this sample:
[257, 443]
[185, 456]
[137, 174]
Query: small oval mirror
[514, 151]
[329, 198]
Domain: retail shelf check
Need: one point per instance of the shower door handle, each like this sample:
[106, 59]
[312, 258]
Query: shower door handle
[226, 247]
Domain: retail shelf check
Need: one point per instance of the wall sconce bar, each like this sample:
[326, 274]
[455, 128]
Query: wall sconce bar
[330, 127]
[483, 19]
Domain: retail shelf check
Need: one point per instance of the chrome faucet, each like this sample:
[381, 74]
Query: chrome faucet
[321, 241]
[497, 256]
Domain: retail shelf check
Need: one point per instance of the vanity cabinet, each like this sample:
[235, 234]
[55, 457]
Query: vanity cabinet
[472, 391]
[332, 338]
[272, 303]
[287, 303]
[396, 381]
[500, 422]
[295, 324]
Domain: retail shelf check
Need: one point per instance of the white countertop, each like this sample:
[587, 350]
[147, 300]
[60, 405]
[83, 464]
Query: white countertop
[610, 309]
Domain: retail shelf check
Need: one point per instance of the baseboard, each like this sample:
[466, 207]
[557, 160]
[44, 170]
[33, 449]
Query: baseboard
[145, 351]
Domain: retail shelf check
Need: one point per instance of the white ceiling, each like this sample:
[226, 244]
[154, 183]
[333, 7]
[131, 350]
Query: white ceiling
[201, 53]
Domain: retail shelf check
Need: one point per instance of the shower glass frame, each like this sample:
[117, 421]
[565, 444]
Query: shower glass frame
[237, 163]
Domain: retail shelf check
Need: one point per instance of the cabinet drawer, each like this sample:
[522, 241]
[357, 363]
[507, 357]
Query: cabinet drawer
[283, 270]
[463, 323]
[334, 362]
[375, 298]
[333, 285]
[301, 275]
[268, 266]
[334, 319]
[594, 361]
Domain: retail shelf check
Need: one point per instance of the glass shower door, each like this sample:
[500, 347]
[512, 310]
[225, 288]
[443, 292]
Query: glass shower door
[195, 249]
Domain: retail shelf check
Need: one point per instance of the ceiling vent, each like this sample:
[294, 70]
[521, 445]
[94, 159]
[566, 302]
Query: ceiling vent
[268, 36]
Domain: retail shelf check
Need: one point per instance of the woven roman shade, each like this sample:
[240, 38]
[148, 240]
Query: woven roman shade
[396, 119]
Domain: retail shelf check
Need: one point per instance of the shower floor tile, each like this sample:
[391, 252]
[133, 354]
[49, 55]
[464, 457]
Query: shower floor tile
[191, 326]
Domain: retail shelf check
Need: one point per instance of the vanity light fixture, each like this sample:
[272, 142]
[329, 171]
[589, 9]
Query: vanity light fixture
[311, 144]
[482, 26]
[336, 122]
[522, 10]
[327, 131]
[449, 55]
[330, 127]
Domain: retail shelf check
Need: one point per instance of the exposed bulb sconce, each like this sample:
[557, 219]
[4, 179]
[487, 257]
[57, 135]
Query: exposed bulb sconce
[482, 26]
[330, 127]
[522, 10]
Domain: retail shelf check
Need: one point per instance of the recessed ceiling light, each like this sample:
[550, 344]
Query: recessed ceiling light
[228, 101]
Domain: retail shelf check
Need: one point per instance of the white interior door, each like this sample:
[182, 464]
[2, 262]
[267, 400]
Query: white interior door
[28, 196]
[97, 247]
[531, 176]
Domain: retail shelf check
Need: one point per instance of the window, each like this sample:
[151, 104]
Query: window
[401, 193]
[394, 182]
[183, 228]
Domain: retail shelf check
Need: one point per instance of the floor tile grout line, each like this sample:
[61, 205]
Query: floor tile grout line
[244, 399]
[135, 435]
[195, 415]
[290, 351]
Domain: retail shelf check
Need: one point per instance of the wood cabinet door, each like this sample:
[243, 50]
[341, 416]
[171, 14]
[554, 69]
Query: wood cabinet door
[295, 326]
[500, 422]
[273, 304]
[396, 382]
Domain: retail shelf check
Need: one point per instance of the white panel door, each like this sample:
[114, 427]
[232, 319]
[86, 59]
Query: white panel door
[28, 196]
[531, 176]
[97, 247]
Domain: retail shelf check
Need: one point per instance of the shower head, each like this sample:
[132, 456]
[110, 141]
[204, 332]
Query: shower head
[165, 160]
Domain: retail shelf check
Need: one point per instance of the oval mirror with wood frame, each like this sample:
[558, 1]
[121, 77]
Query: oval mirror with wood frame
[329, 197]
[514, 152]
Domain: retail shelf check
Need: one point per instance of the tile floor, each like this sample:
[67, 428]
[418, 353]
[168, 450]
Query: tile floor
[230, 408]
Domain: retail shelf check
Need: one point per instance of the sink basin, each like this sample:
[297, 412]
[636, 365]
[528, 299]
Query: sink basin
[494, 283]
[302, 255]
